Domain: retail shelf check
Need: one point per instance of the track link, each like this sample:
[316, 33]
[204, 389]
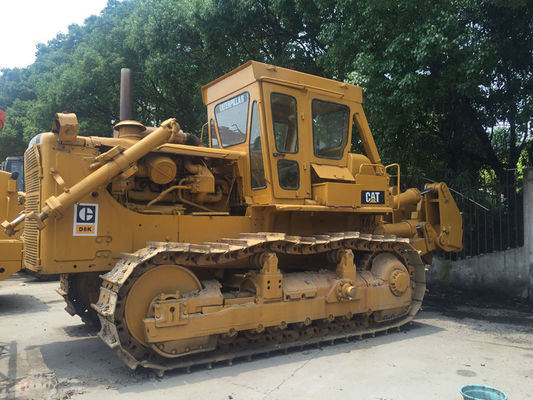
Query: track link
[116, 283]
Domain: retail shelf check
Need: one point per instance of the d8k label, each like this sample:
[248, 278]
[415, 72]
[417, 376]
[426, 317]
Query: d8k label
[85, 219]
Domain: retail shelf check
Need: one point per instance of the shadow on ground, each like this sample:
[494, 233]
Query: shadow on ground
[11, 304]
[83, 330]
[472, 310]
[88, 362]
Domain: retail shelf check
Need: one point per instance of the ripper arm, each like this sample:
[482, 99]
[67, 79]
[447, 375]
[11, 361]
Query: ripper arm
[429, 218]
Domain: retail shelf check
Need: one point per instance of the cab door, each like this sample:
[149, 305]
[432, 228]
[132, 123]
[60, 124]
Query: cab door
[284, 111]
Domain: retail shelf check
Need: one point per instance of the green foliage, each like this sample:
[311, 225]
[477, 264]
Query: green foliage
[438, 75]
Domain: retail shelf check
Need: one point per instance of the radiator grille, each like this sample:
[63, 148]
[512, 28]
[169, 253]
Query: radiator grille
[32, 172]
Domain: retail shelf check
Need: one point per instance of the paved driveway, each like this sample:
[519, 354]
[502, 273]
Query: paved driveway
[47, 354]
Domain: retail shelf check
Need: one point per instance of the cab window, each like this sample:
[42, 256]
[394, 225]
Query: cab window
[231, 118]
[257, 170]
[330, 128]
[289, 174]
[285, 122]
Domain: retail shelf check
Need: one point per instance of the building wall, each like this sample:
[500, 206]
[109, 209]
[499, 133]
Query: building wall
[508, 272]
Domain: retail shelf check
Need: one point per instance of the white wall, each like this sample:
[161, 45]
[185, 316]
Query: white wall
[508, 272]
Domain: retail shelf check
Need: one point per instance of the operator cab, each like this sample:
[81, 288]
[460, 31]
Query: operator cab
[296, 130]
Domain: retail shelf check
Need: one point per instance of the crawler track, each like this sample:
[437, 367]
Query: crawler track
[74, 305]
[117, 282]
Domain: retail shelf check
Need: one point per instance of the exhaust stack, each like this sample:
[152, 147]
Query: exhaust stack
[125, 94]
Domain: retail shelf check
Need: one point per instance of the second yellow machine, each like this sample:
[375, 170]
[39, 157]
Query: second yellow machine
[273, 236]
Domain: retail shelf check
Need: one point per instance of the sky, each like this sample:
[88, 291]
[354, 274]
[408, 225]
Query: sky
[24, 23]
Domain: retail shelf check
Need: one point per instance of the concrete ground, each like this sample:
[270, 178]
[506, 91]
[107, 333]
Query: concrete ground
[47, 354]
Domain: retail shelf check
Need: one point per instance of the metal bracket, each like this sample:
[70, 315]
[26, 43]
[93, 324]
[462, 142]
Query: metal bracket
[346, 267]
[268, 281]
[58, 178]
[107, 156]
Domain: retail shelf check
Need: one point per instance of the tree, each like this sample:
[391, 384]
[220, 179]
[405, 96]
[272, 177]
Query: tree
[438, 77]
[447, 84]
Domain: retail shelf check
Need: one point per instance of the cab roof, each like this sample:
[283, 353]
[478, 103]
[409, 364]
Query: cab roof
[254, 71]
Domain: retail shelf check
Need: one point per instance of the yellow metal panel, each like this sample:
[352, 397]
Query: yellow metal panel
[256, 71]
[331, 172]
[11, 254]
[201, 151]
[10, 247]
[12, 186]
[228, 84]
[371, 181]
[336, 194]
[311, 82]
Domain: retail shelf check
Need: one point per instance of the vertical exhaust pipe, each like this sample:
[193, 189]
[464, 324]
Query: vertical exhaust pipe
[125, 97]
[125, 94]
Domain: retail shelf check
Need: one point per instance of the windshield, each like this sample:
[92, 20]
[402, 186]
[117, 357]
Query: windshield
[232, 118]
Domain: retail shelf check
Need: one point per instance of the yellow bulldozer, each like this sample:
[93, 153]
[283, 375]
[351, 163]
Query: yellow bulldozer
[272, 236]
[11, 204]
